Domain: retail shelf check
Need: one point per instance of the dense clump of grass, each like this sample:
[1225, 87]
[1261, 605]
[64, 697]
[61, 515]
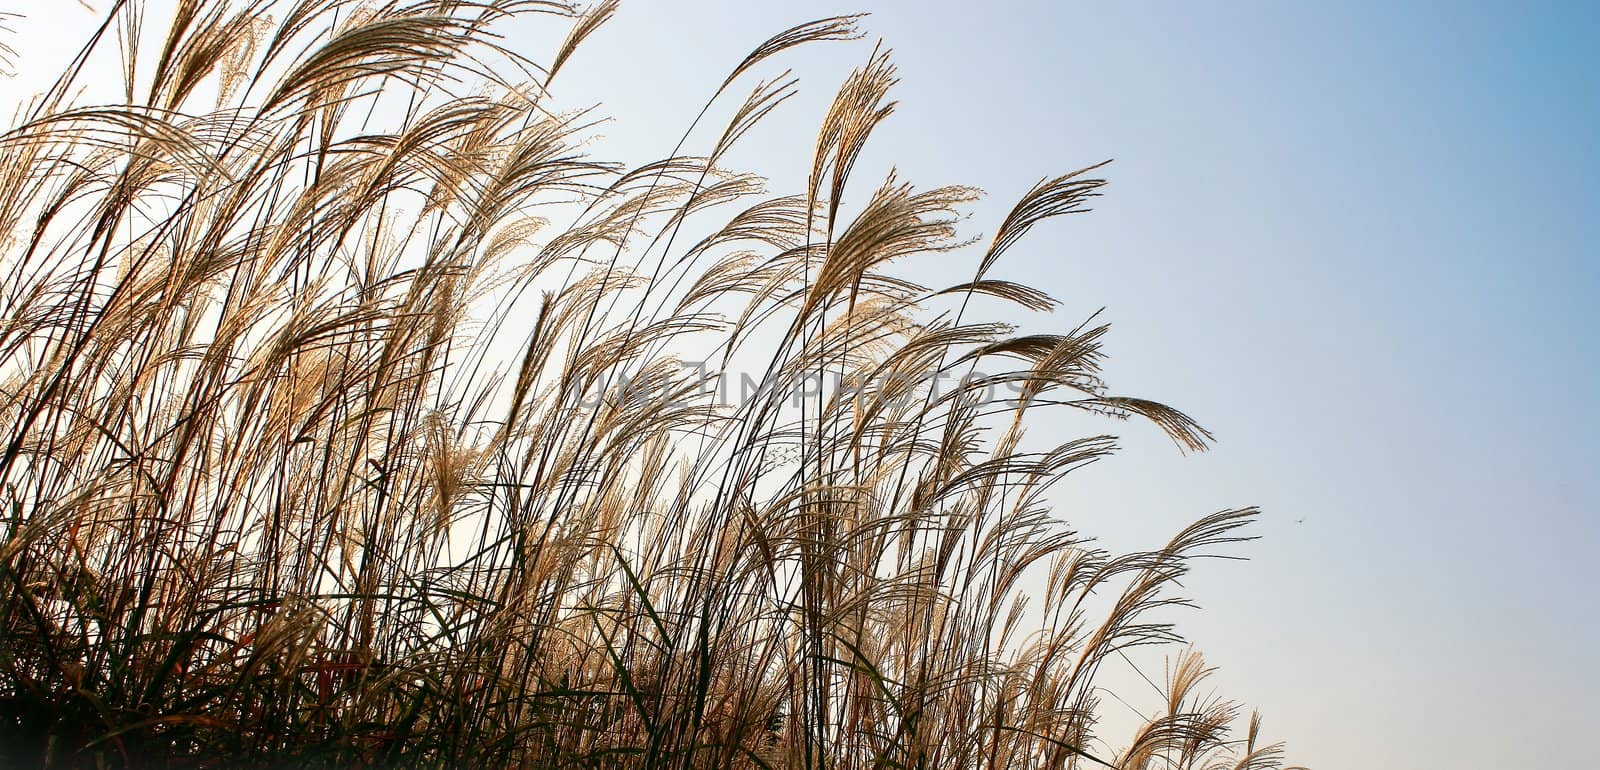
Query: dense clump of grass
[313, 451]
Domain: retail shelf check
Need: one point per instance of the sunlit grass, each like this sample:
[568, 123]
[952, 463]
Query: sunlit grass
[347, 423]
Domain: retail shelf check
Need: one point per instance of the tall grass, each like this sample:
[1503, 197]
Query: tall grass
[345, 423]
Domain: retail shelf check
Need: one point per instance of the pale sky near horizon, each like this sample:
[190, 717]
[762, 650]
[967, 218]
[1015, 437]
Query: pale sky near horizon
[1359, 241]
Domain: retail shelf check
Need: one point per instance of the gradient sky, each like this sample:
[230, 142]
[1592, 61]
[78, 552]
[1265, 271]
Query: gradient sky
[1359, 241]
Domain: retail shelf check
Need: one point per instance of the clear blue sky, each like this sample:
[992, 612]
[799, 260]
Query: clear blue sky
[1360, 241]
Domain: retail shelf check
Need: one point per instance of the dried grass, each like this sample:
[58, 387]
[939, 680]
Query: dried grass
[303, 463]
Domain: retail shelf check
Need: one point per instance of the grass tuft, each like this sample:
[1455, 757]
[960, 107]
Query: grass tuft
[345, 422]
